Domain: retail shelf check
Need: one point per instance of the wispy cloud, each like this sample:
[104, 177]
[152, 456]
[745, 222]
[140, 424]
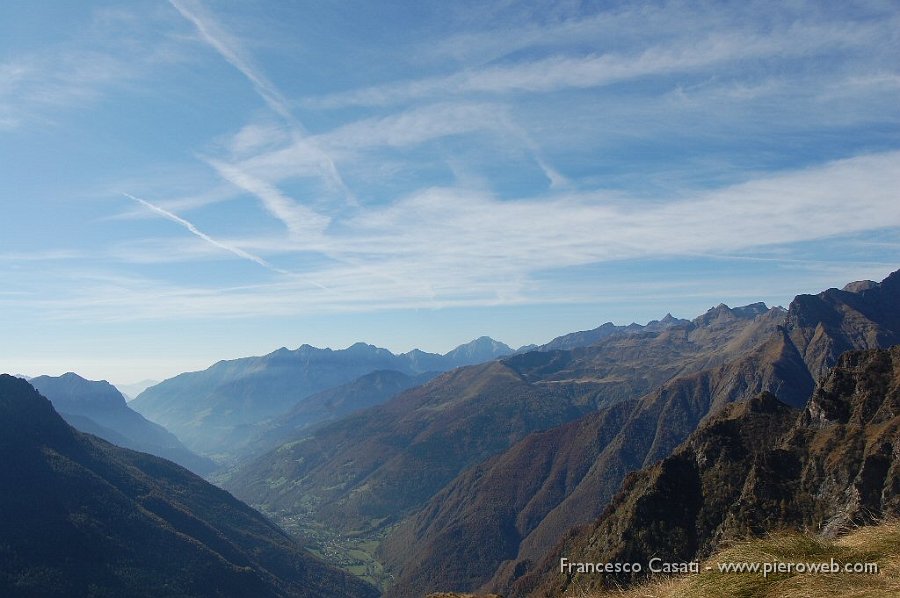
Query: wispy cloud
[197, 232]
[299, 220]
[361, 141]
[468, 248]
[106, 52]
[51, 255]
[565, 71]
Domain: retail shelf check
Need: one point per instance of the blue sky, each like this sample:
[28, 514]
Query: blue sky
[186, 181]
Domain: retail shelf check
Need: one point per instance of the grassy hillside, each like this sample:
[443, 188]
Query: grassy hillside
[875, 544]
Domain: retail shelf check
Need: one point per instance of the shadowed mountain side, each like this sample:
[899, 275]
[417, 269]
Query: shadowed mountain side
[537, 512]
[98, 408]
[83, 517]
[214, 409]
[757, 467]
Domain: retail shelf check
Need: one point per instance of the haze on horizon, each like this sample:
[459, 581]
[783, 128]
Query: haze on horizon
[192, 181]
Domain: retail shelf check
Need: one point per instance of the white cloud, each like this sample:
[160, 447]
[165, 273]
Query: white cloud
[299, 220]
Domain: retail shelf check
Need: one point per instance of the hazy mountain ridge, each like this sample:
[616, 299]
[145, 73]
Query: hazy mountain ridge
[210, 408]
[98, 408]
[651, 428]
[81, 516]
[756, 467]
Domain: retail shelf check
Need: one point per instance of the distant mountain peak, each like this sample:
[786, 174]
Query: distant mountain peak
[361, 345]
[483, 348]
[99, 408]
[70, 389]
[484, 341]
[72, 377]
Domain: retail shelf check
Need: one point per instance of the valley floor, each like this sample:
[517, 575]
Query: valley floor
[353, 552]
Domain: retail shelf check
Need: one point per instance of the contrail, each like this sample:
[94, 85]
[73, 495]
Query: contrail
[195, 231]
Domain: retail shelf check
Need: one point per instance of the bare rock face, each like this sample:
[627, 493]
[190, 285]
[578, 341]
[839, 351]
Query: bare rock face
[859, 286]
[756, 467]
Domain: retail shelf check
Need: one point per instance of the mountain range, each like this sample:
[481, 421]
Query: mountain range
[361, 475]
[468, 480]
[82, 517]
[216, 410]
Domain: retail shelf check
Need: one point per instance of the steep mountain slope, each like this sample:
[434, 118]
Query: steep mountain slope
[532, 494]
[359, 475]
[564, 477]
[83, 517]
[209, 409]
[97, 407]
[755, 467]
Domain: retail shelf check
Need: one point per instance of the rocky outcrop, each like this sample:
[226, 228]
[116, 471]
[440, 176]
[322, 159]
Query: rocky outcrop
[757, 467]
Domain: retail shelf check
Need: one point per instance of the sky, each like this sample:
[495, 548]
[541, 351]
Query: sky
[188, 181]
